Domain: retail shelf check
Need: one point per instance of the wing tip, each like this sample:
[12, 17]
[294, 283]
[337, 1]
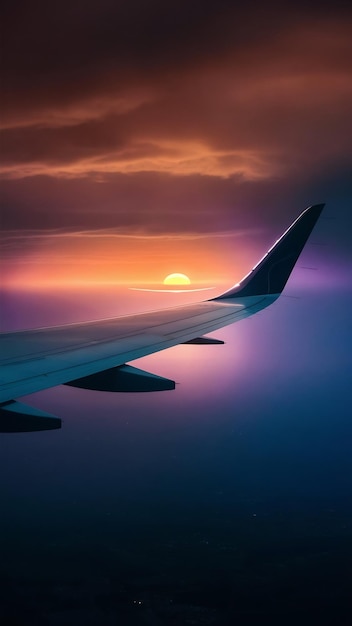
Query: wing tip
[270, 275]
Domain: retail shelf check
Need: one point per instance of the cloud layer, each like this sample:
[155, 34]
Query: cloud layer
[171, 117]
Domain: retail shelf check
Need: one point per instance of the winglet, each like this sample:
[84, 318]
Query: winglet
[272, 272]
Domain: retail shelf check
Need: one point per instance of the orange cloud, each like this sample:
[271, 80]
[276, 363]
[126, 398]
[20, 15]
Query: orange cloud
[75, 112]
[250, 127]
[168, 157]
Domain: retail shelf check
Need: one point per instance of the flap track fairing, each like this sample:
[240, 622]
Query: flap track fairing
[16, 417]
[204, 341]
[124, 378]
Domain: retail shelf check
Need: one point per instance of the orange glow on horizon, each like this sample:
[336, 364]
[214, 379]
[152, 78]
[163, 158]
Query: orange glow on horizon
[103, 260]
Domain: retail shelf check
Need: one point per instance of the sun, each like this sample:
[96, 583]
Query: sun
[177, 279]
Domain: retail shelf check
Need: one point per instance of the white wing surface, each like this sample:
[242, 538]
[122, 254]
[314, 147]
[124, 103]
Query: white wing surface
[93, 355]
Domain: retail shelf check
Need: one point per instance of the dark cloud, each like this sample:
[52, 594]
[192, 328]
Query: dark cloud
[56, 54]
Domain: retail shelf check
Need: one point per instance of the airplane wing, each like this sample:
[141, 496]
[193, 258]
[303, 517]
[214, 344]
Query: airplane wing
[93, 355]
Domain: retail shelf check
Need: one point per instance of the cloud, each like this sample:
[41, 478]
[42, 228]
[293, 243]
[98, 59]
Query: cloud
[17, 236]
[166, 118]
[173, 158]
[75, 112]
[258, 108]
[301, 119]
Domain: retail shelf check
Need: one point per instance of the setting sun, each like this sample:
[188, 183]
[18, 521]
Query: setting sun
[177, 279]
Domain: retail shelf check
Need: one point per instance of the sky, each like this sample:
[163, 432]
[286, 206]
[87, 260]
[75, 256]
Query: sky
[144, 138]
[139, 139]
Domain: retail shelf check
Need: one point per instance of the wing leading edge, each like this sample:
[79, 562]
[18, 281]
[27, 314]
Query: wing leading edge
[97, 352]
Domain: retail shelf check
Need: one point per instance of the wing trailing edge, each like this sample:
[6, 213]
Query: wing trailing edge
[272, 272]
